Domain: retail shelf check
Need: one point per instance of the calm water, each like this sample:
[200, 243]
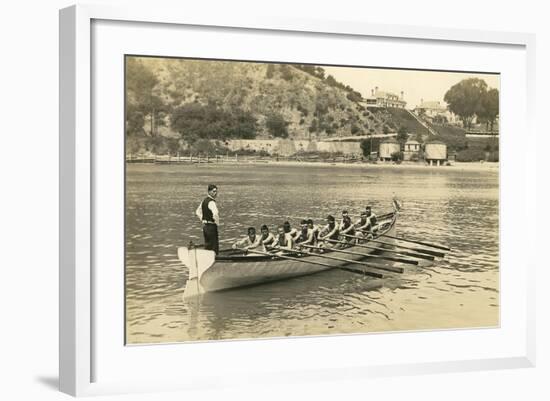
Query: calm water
[449, 206]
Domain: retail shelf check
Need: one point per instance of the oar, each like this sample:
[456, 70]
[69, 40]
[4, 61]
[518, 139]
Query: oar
[437, 246]
[426, 251]
[366, 255]
[378, 267]
[366, 273]
[377, 248]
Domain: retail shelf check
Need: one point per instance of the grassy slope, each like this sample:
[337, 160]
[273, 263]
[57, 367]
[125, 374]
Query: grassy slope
[467, 149]
[288, 91]
[401, 117]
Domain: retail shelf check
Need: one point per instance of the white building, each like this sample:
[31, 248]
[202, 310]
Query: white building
[433, 110]
[411, 149]
[380, 98]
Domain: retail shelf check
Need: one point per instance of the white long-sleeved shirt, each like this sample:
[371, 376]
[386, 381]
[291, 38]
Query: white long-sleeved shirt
[212, 206]
[247, 243]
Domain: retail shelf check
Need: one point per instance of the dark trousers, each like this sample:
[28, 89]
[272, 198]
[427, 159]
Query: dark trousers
[210, 232]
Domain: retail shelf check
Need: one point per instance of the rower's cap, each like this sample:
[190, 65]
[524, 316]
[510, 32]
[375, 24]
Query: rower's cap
[286, 223]
[309, 221]
[211, 187]
[251, 230]
[264, 227]
[303, 222]
[368, 208]
[344, 212]
[330, 217]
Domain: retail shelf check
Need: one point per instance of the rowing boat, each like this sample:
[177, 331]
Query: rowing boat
[209, 272]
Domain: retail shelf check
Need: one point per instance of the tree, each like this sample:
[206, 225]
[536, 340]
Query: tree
[143, 101]
[195, 121]
[277, 126]
[490, 107]
[397, 157]
[366, 146]
[402, 135]
[465, 99]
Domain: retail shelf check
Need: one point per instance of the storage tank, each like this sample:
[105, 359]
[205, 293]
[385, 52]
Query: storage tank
[435, 152]
[387, 147]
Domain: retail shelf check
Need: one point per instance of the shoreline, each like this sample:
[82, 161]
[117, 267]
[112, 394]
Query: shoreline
[455, 166]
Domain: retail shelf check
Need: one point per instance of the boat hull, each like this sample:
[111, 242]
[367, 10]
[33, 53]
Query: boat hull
[227, 273]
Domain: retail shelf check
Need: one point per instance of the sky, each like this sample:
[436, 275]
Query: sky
[416, 85]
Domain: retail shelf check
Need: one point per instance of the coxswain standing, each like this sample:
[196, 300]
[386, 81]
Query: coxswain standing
[208, 214]
[251, 241]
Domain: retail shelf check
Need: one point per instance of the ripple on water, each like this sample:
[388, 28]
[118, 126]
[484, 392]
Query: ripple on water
[457, 208]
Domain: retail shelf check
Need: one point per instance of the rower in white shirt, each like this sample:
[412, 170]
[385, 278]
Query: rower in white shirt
[251, 241]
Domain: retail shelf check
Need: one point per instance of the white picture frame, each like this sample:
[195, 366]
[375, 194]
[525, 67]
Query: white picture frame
[78, 350]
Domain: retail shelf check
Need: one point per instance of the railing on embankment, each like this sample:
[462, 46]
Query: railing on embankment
[232, 159]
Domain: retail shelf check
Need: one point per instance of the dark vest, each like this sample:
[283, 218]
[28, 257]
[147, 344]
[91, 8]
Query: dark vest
[281, 240]
[206, 212]
[303, 235]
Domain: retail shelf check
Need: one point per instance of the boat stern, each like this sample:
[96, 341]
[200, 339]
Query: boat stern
[197, 261]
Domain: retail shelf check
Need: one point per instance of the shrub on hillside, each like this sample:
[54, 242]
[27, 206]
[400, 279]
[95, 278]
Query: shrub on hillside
[277, 126]
[470, 155]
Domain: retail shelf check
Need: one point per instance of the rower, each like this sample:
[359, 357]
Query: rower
[315, 228]
[267, 238]
[251, 241]
[306, 235]
[371, 217]
[347, 228]
[330, 231]
[344, 214]
[291, 231]
[361, 226]
[284, 240]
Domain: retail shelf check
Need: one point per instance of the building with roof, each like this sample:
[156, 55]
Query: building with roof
[435, 152]
[380, 98]
[434, 110]
[387, 148]
[411, 150]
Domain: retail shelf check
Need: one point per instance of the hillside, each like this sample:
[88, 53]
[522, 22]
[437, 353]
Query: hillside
[197, 99]
[396, 118]
[467, 149]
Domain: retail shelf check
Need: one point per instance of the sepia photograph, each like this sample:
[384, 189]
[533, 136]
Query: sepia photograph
[270, 199]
